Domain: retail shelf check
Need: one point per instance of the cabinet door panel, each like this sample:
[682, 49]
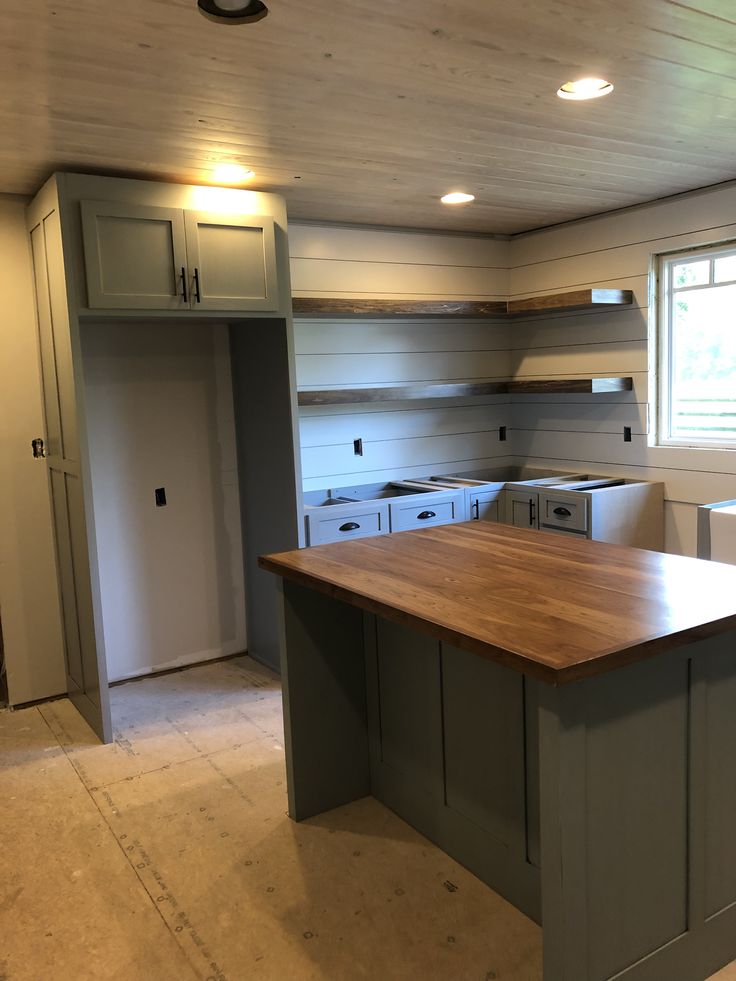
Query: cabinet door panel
[521, 509]
[233, 260]
[135, 256]
[484, 506]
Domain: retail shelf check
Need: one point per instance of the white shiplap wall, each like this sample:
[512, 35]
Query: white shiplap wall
[586, 432]
[400, 439]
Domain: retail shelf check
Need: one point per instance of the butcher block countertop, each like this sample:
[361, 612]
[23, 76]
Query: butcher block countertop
[555, 608]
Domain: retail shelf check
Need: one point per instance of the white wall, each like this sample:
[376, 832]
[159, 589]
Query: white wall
[400, 439]
[160, 414]
[584, 431]
[29, 601]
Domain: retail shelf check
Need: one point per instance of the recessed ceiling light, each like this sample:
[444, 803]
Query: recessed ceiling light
[233, 11]
[231, 173]
[585, 88]
[457, 197]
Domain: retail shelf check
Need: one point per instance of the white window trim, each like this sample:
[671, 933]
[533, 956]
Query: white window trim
[664, 263]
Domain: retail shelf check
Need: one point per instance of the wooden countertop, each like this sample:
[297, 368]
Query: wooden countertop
[551, 607]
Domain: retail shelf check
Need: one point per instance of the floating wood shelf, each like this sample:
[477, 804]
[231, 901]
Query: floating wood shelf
[588, 299]
[444, 390]
[337, 307]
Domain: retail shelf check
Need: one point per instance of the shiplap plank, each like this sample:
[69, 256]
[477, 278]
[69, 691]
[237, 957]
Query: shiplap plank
[321, 242]
[458, 465]
[347, 370]
[612, 358]
[552, 416]
[345, 277]
[698, 212]
[400, 454]
[387, 336]
[401, 424]
[607, 264]
[594, 328]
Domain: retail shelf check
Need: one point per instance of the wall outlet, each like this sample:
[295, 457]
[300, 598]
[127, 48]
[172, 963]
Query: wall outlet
[358, 447]
[160, 495]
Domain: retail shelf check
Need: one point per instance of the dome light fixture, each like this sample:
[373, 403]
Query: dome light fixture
[585, 88]
[457, 197]
[233, 11]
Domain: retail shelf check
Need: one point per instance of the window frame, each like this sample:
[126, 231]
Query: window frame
[665, 262]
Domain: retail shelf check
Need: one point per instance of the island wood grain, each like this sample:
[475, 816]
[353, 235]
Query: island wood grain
[553, 608]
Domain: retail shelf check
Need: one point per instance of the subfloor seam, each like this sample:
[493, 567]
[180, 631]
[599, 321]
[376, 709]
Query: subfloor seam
[122, 851]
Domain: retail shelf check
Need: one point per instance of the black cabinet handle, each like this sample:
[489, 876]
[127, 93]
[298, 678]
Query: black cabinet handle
[531, 511]
[563, 512]
[184, 285]
[423, 515]
[349, 526]
[197, 296]
[476, 510]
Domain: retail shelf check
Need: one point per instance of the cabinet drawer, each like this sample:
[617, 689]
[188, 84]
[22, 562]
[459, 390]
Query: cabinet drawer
[325, 526]
[438, 510]
[563, 511]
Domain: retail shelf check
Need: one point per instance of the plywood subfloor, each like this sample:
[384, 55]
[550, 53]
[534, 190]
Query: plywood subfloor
[169, 855]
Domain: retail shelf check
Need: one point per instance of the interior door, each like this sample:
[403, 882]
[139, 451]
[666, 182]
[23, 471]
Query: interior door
[232, 261]
[61, 375]
[135, 256]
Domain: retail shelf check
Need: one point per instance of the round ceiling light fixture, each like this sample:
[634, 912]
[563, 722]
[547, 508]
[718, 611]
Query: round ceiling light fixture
[585, 88]
[233, 11]
[457, 197]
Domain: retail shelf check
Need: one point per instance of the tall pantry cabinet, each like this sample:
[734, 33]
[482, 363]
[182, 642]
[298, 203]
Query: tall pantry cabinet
[109, 249]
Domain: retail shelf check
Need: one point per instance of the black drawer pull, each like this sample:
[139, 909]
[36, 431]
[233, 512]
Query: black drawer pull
[563, 512]
[423, 515]
[349, 526]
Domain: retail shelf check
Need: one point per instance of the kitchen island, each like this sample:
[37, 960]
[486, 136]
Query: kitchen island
[559, 716]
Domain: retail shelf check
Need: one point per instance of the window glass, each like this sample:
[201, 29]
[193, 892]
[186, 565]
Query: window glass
[697, 354]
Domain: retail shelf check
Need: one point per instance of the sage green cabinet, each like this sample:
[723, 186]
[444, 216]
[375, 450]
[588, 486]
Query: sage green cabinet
[140, 257]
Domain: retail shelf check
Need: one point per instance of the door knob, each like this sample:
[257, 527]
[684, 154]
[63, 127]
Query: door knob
[38, 448]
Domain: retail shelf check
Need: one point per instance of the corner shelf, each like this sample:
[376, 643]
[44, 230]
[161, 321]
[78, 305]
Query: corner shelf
[443, 390]
[588, 299]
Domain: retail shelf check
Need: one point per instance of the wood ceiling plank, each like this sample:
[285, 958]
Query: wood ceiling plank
[350, 104]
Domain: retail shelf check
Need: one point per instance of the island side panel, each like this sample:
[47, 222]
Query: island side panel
[448, 754]
[323, 680]
[637, 797]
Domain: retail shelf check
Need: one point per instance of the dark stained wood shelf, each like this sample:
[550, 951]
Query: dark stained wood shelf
[590, 299]
[569, 386]
[338, 307]
[587, 299]
[551, 606]
[440, 390]
[445, 390]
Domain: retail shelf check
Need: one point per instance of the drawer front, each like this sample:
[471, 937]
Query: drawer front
[354, 523]
[439, 510]
[563, 511]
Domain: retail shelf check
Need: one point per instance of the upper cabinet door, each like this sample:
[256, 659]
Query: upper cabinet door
[232, 261]
[135, 256]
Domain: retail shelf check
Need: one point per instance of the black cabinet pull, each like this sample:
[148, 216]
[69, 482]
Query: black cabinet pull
[423, 515]
[563, 512]
[349, 526]
[531, 511]
[197, 296]
[184, 285]
[476, 510]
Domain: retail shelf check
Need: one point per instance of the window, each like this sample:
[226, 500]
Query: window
[697, 348]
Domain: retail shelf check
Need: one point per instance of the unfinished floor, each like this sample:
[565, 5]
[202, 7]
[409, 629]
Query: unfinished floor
[169, 855]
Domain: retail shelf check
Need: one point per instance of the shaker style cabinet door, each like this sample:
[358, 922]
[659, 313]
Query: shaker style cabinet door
[232, 261]
[135, 256]
[521, 509]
